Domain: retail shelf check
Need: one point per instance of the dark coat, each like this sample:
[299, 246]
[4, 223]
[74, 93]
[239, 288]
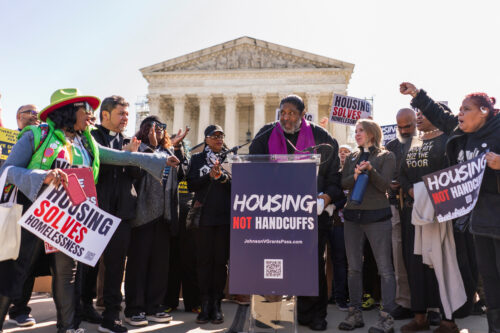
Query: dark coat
[328, 180]
[484, 218]
[115, 189]
[215, 195]
[155, 199]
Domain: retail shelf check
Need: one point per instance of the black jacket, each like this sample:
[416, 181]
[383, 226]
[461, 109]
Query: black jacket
[399, 150]
[328, 180]
[115, 190]
[462, 146]
[215, 195]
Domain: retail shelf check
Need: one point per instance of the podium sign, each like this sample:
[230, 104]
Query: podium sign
[274, 225]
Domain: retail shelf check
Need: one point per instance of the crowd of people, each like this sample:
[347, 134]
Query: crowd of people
[175, 210]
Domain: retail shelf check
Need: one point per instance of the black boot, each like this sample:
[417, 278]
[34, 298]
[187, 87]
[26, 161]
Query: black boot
[217, 316]
[90, 314]
[493, 316]
[204, 315]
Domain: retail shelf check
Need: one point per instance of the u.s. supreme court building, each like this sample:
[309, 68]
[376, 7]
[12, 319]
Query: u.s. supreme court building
[239, 84]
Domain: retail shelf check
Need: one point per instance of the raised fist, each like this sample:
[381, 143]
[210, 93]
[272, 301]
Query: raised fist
[407, 88]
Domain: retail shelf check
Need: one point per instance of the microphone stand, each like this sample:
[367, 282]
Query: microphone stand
[235, 149]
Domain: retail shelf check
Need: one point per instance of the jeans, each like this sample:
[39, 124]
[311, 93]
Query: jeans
[339, 262]
[379, 234]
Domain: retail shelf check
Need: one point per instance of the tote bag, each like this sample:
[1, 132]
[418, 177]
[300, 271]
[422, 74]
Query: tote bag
[10, 231]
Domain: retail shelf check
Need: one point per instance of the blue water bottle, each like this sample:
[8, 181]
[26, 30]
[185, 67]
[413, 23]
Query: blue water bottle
[358, 192]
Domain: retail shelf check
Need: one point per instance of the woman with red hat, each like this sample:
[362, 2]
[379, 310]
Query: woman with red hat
[64, 141]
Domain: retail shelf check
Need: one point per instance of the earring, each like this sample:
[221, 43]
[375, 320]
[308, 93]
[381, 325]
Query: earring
[483, 109]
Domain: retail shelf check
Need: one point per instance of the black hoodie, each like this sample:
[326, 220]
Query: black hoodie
[464, 146]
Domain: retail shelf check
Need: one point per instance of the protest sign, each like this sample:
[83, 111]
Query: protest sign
[86, 179]
[389, 133]
[347, 110]
[82, 232]
[8, 139]
[274, 247]
[309, 116]
[454, 190]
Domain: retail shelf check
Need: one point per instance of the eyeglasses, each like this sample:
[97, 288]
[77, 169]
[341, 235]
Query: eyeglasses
[218, 136]
[32, 112]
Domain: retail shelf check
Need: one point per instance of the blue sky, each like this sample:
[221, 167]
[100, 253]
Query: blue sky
[448, 47]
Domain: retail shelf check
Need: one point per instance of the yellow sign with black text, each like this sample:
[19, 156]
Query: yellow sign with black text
[8, 139]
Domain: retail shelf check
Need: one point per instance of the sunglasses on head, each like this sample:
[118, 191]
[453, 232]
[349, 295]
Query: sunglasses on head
[88, 108]
[159, 125]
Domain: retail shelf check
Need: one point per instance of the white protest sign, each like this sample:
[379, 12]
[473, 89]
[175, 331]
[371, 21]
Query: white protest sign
[82, 232]
[309, 116]
[347, 110]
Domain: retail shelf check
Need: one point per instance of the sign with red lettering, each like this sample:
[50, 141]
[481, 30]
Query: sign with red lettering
[454, 190]
[86, 179]
[347, 110]
[274, 229]
[82, 232]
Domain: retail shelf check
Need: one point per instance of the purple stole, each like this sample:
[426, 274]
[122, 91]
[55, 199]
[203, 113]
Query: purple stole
[277, 142]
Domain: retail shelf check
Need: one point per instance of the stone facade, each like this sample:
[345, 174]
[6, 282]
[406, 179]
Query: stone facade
[239, 85]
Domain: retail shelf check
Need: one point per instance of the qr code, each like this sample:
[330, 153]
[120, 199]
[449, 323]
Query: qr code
[89, 255]
[273, 268]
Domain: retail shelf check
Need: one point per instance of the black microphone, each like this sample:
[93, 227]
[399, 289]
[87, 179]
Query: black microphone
[236, 148]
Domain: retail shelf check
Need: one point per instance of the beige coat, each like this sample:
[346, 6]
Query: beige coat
[435, 242]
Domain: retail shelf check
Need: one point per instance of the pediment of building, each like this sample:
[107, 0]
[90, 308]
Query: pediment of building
[246, 53]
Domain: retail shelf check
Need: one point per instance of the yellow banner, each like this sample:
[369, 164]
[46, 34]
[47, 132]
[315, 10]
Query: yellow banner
[8, 138]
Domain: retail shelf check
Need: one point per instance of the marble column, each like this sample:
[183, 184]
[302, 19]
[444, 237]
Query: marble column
[231, 120]
[154, 104]
[259, 112]
[179, 108]
[313, 105]
[204, 117]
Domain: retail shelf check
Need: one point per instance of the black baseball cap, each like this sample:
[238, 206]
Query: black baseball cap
[211, 129]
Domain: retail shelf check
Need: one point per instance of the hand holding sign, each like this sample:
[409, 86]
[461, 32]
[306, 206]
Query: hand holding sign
[81, 232]
[55, 176]
[493, 160]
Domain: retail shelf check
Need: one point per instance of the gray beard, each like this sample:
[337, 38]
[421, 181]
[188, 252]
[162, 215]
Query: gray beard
[295, 130]
[402, 139]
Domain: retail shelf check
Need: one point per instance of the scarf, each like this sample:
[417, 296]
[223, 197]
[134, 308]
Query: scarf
[277, 141]
[212, 157]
